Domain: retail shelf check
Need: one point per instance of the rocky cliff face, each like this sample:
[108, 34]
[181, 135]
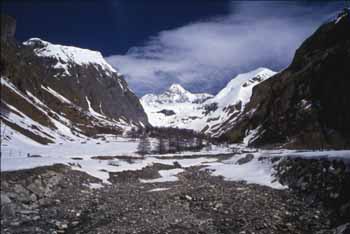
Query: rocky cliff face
[8, 28]
[307, 104]
[48, 87]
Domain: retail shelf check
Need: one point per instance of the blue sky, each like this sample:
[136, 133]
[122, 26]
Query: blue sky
[200, 44]
[110, 26]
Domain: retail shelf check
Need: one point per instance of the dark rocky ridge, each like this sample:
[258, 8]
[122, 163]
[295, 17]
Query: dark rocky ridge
[8, 28]
[107, 92]
[307, 104]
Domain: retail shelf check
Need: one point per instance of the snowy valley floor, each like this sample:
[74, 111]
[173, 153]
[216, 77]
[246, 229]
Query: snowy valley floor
[99, 157]
[105, 187]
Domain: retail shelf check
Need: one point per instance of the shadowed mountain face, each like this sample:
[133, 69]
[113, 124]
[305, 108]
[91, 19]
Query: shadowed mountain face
[45, 83]
[307, 104]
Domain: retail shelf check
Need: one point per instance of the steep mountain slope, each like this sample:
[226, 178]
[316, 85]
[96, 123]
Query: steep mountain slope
[52, 92]
[230, 102]
[177, 107]
[307, 104]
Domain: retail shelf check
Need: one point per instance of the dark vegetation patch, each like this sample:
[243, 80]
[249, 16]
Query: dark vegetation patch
[322, 180]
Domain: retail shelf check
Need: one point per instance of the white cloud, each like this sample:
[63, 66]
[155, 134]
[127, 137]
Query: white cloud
[204, 55]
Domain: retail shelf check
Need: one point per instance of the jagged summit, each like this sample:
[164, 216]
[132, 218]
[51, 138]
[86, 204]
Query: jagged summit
[179, 94]
[177, 88]
[176, 94]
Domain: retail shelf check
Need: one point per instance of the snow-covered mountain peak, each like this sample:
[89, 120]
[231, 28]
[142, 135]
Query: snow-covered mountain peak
[177, 88]
[240, 87]
[178, 94]
[35, 41]
[175, 94]
[65, 56]
[260, 73]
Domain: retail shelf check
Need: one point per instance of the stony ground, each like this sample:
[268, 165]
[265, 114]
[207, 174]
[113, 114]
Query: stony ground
[56, 199]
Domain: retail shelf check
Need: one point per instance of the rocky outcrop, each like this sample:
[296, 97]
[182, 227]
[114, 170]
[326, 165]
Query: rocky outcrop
[167, 112]
[325, 181]
[8, 28]
[34, 190]
[306, 105]
[31, 199]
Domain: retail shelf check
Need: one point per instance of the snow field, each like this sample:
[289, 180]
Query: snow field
[79, 155]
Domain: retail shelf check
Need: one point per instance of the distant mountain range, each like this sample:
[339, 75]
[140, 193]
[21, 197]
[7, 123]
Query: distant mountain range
[177, 107]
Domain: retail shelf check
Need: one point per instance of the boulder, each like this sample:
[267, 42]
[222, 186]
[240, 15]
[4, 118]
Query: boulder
[4, 199]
